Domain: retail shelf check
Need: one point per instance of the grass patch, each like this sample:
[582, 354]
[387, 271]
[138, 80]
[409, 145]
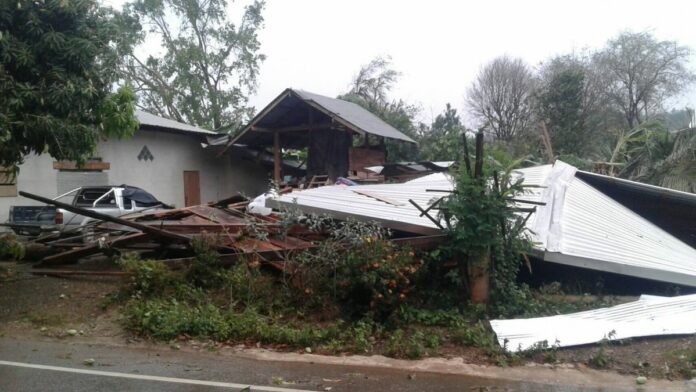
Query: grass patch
[46, 320]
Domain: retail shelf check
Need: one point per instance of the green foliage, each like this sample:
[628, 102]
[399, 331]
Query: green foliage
[601, 358]
[150, 277]
[376, 278]
[370, 89]
[57, 62]
[11, 248]
[683, 363]
[483, 229]
[543, 349]
[209, 64]
[561, 106]
[476, 335]
[168, 318]
[249, 287]
[367, 275]
[412, 345]
[206, 271]
[442, 141]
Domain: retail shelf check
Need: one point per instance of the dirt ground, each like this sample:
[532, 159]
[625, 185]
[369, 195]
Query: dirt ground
[49, 307]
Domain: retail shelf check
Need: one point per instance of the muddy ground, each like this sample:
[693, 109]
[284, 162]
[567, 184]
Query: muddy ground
[49, 307]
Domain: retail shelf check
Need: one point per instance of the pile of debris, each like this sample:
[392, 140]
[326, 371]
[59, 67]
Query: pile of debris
[171, 232]
[579, 219]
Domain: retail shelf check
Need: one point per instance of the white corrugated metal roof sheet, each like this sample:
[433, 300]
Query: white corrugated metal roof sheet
[649, 316]
[578, 226]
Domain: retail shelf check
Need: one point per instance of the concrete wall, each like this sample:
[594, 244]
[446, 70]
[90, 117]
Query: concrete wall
[163, 176]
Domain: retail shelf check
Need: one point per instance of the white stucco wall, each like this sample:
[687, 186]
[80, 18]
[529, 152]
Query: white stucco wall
[163, 176]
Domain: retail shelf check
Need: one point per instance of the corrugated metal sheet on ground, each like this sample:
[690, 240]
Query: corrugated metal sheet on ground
[578, 226]
[649, 316]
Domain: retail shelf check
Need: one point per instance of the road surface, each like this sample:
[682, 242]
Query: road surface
[67, 366]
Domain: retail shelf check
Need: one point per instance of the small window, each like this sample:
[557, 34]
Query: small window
[8, 183]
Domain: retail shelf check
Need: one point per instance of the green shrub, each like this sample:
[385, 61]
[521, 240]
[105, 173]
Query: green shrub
[411, 345]
[161, 319]
[149, 277]
[249, 287]
[11, 248]
[476, 335]
[376, 277]
[206, 271]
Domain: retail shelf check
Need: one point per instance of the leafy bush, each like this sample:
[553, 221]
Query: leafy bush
[376, 277]
[249, 287]
[206, 271]
[476, 335]
[166, 319]
[11, 247]
[412, 345]
[150, 277]
[487, 235]
[357, 269]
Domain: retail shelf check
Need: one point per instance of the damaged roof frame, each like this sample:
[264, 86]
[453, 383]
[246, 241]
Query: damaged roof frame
[579, 225]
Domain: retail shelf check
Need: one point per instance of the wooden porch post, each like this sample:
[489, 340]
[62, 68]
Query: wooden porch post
[276, 157]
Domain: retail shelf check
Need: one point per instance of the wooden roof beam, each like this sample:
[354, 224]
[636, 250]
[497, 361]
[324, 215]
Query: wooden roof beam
[295, 128]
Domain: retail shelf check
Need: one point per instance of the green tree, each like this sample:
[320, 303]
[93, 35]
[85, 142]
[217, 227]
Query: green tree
[486, 231]
[442, 141]
[57, 61]
[207, 67]
[561, 107]
[370, 89]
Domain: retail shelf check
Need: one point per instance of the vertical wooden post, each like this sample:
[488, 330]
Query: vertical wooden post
[276, 157]
[479, 266]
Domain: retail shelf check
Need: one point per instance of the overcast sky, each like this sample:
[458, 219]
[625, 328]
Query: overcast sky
[438, 46]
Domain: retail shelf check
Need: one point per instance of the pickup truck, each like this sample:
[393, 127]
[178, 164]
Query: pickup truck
[110, 200]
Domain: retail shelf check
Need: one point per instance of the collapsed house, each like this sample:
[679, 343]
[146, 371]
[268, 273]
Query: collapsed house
[574, 224]
[580, 219]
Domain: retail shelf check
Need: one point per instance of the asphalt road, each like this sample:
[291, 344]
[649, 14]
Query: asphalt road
[60, 366]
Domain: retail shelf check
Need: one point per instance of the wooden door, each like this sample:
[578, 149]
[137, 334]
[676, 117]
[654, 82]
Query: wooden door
[192, 188]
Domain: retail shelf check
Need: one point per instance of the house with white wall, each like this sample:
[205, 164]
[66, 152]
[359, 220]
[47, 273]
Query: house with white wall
[165, 157]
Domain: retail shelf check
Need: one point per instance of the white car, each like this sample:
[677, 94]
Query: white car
[109, 200]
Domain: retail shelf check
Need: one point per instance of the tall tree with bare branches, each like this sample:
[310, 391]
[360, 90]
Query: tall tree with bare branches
[642, 72]
[500, 97]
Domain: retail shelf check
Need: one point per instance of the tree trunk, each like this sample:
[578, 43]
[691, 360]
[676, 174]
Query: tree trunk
[479, 278]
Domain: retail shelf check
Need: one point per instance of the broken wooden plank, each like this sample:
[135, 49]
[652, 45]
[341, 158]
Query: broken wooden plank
[75, 254]
[60, 273]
